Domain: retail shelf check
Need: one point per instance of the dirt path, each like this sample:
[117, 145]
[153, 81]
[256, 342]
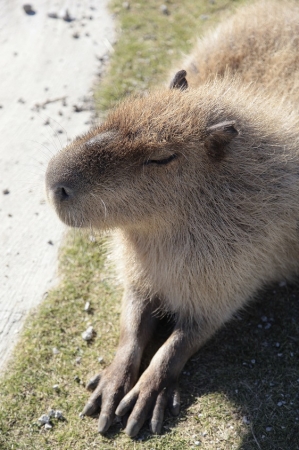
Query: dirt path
[48, 66]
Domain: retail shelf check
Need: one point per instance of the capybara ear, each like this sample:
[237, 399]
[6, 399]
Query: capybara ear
[179, 81]
[219, 136]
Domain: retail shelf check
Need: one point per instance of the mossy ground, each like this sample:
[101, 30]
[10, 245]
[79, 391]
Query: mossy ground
[239, 392]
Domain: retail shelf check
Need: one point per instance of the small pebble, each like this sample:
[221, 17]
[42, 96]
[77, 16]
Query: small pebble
[67, 17]
[81, 415]
[126, 5]
[264, 319]
[164, 10]
[78, 108]
[253, 361]
[88, 334]
[48, 426]
[29, 10]
[50, 242]
[58, 415]
[268, 429]
[44, 419]
[76, 35]
[267, 326]
[87, 306]
[53, 15]
[55, 351]
[197, 443]
[5, 191]
[101, 359]
[51, 413]
[56, 387]
[78, 360]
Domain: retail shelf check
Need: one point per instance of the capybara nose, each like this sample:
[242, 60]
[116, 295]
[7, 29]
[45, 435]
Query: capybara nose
[61, 193]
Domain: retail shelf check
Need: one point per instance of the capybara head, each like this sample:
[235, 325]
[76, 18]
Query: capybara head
[142, 163]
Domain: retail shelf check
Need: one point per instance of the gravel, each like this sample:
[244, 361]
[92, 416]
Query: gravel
[29, 9]
[44, 419]
[88, 334]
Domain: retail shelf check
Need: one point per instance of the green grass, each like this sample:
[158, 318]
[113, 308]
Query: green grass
[150, 42]
[239, 392]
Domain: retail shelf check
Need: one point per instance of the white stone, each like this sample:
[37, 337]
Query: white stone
[88, 334]
[44, 419]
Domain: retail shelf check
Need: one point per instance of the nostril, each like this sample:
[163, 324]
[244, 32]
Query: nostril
[62, 193]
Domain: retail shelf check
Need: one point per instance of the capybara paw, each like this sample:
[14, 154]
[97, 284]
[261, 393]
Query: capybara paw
[148, 398]
[109, 388]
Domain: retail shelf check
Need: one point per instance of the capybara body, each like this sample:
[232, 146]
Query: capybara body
[199, 185]
[259, 44]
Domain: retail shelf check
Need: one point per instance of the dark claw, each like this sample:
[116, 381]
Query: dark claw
[174, 405]
[132, 427]
[156, 426]
[93, 382]
[104, 423]
[126, 405]
[175, 410]
[90, 408]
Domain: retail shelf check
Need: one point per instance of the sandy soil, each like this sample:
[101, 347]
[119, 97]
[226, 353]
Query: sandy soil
[48, 66]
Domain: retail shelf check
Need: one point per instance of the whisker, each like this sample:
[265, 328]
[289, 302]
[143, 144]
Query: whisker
[56, 135]
[43, 145]
[59, 124]
[105, 209]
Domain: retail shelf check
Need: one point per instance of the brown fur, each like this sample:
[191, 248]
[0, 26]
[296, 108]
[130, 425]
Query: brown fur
[197, 236]
[259, 43]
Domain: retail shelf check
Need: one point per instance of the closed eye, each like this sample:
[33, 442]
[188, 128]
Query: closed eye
[161, 161]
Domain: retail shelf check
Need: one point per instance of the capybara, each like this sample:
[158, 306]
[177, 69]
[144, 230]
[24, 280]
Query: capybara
[199, 184]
